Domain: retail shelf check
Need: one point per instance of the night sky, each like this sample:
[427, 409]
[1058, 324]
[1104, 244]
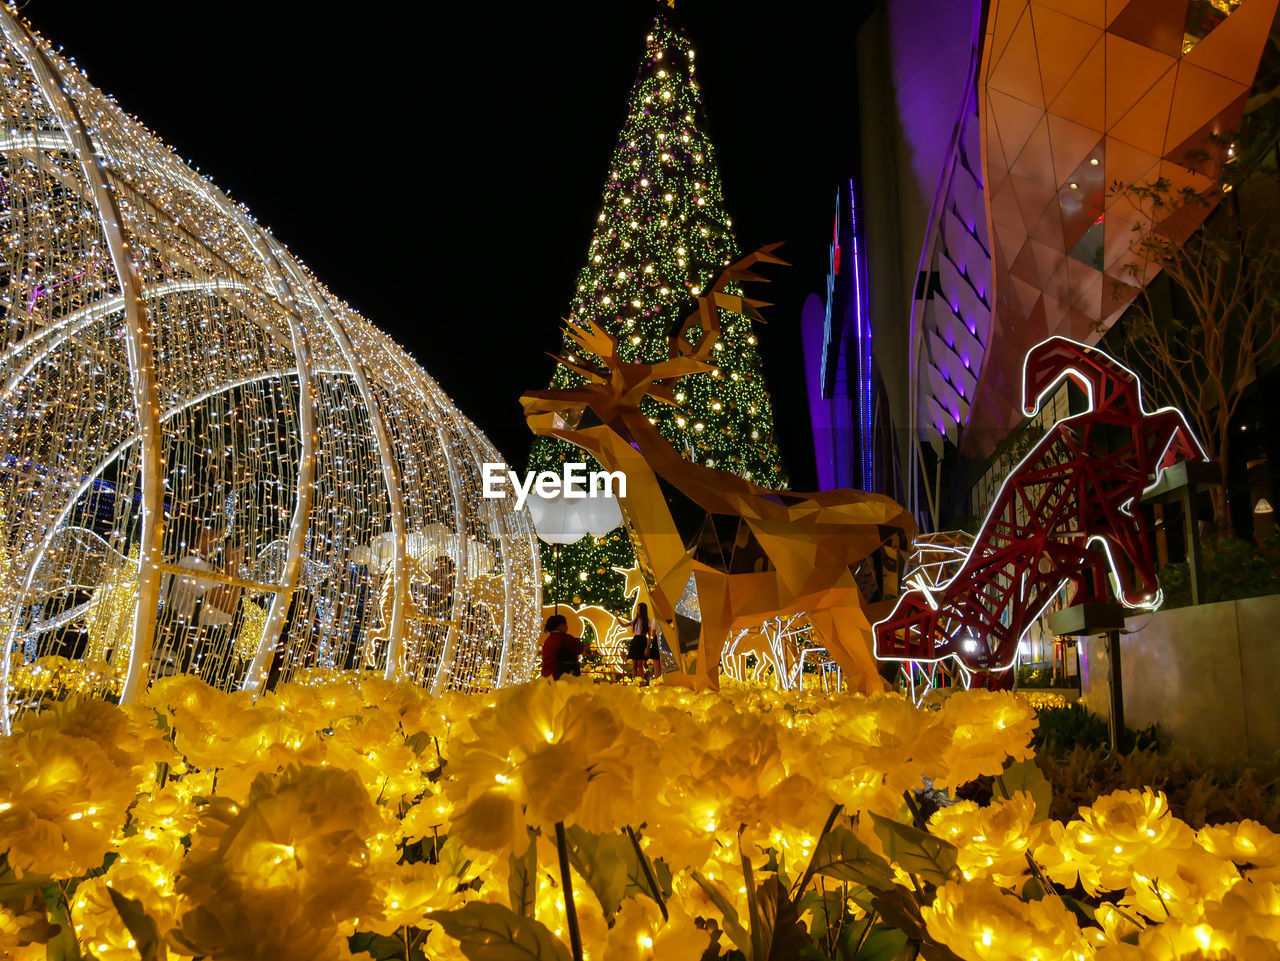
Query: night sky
[441, 169]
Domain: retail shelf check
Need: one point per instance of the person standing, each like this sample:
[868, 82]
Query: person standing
[655, 653]
[638, 649]
[561, 650]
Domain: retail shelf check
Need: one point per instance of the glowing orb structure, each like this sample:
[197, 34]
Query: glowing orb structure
[208, 463]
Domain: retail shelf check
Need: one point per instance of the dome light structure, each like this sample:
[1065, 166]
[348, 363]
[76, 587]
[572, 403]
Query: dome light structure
[209, 464]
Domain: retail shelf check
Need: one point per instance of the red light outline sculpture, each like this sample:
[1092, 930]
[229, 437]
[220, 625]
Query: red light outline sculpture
[1078, 486]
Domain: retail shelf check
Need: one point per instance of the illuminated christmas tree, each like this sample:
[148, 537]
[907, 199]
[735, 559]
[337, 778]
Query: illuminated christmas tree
[661, 233]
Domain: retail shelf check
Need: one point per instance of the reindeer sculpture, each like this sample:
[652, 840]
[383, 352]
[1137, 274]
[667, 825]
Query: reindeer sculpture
[782, 553]
[1080, 485]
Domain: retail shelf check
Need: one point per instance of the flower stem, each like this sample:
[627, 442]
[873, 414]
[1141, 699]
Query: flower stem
[866, 932]
[648, 872]
[566, 881]
[915, 811]
[753, 905]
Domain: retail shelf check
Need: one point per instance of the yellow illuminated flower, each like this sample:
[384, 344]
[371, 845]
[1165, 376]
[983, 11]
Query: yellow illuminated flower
[61, 801]
[878, 748]
[980, 922]
[1176, 941]
[1250, 913]
[407, 892]
[640, 934]
[553, 748]
[1246, 843]
[987, 727]
[274, 878]
[98, 925]
[992, 842]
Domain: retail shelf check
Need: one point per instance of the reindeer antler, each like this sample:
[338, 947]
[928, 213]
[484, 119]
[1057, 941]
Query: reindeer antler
[707, 317]
[628, 379]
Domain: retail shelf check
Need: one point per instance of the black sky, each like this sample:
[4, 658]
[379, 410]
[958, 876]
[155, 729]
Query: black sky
[439, 167]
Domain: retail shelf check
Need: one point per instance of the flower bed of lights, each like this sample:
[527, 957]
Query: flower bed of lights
[208, 463]
[340, 817]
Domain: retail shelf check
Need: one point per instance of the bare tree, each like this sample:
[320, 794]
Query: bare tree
[1201, 347]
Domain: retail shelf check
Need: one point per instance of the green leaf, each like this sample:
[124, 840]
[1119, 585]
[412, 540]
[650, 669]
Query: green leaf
[826, 908]
[662, 874]
[13, 889]
[608, 863]
[883, 944]
[493, 932]
[522, 882]
[898, 908]
[141, 925]
[379, 946]
[63, 946]
[453, 859]
[418, 742]
[782, 936]
[931, 950]
[916, 852]
[1033, 890]
[842, 856]
[732, 925]
[1027, 776]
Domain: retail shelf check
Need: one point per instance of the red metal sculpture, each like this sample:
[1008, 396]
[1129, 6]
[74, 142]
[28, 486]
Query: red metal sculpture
[1078, 487]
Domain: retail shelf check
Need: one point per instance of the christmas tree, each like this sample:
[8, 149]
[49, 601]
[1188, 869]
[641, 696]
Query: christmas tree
[661, 233]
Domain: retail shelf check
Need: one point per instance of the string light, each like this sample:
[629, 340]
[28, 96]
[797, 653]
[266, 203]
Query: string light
[268, 392]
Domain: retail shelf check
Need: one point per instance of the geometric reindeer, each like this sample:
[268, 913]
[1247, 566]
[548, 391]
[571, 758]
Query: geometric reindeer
[1078, 487]
[732, 554]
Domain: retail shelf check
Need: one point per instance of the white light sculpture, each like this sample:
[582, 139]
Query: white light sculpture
[208, 463]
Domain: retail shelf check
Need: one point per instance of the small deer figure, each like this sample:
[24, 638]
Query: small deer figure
[757, 553]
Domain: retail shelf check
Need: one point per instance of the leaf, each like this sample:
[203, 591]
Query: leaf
[493, 932]
[418, 742]
[63, 946]
[522, 881]
[608, 863]
[898, 907]
[782, 936]
[916, 852]
[14, 888]
[862, 897]
[882, 944]
[142, 926]
[732, 926]
[1027, 776]
[662, 874]
[931, 950]
[379, 946]
[841, 855]
[824, 907]
[452, 858]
